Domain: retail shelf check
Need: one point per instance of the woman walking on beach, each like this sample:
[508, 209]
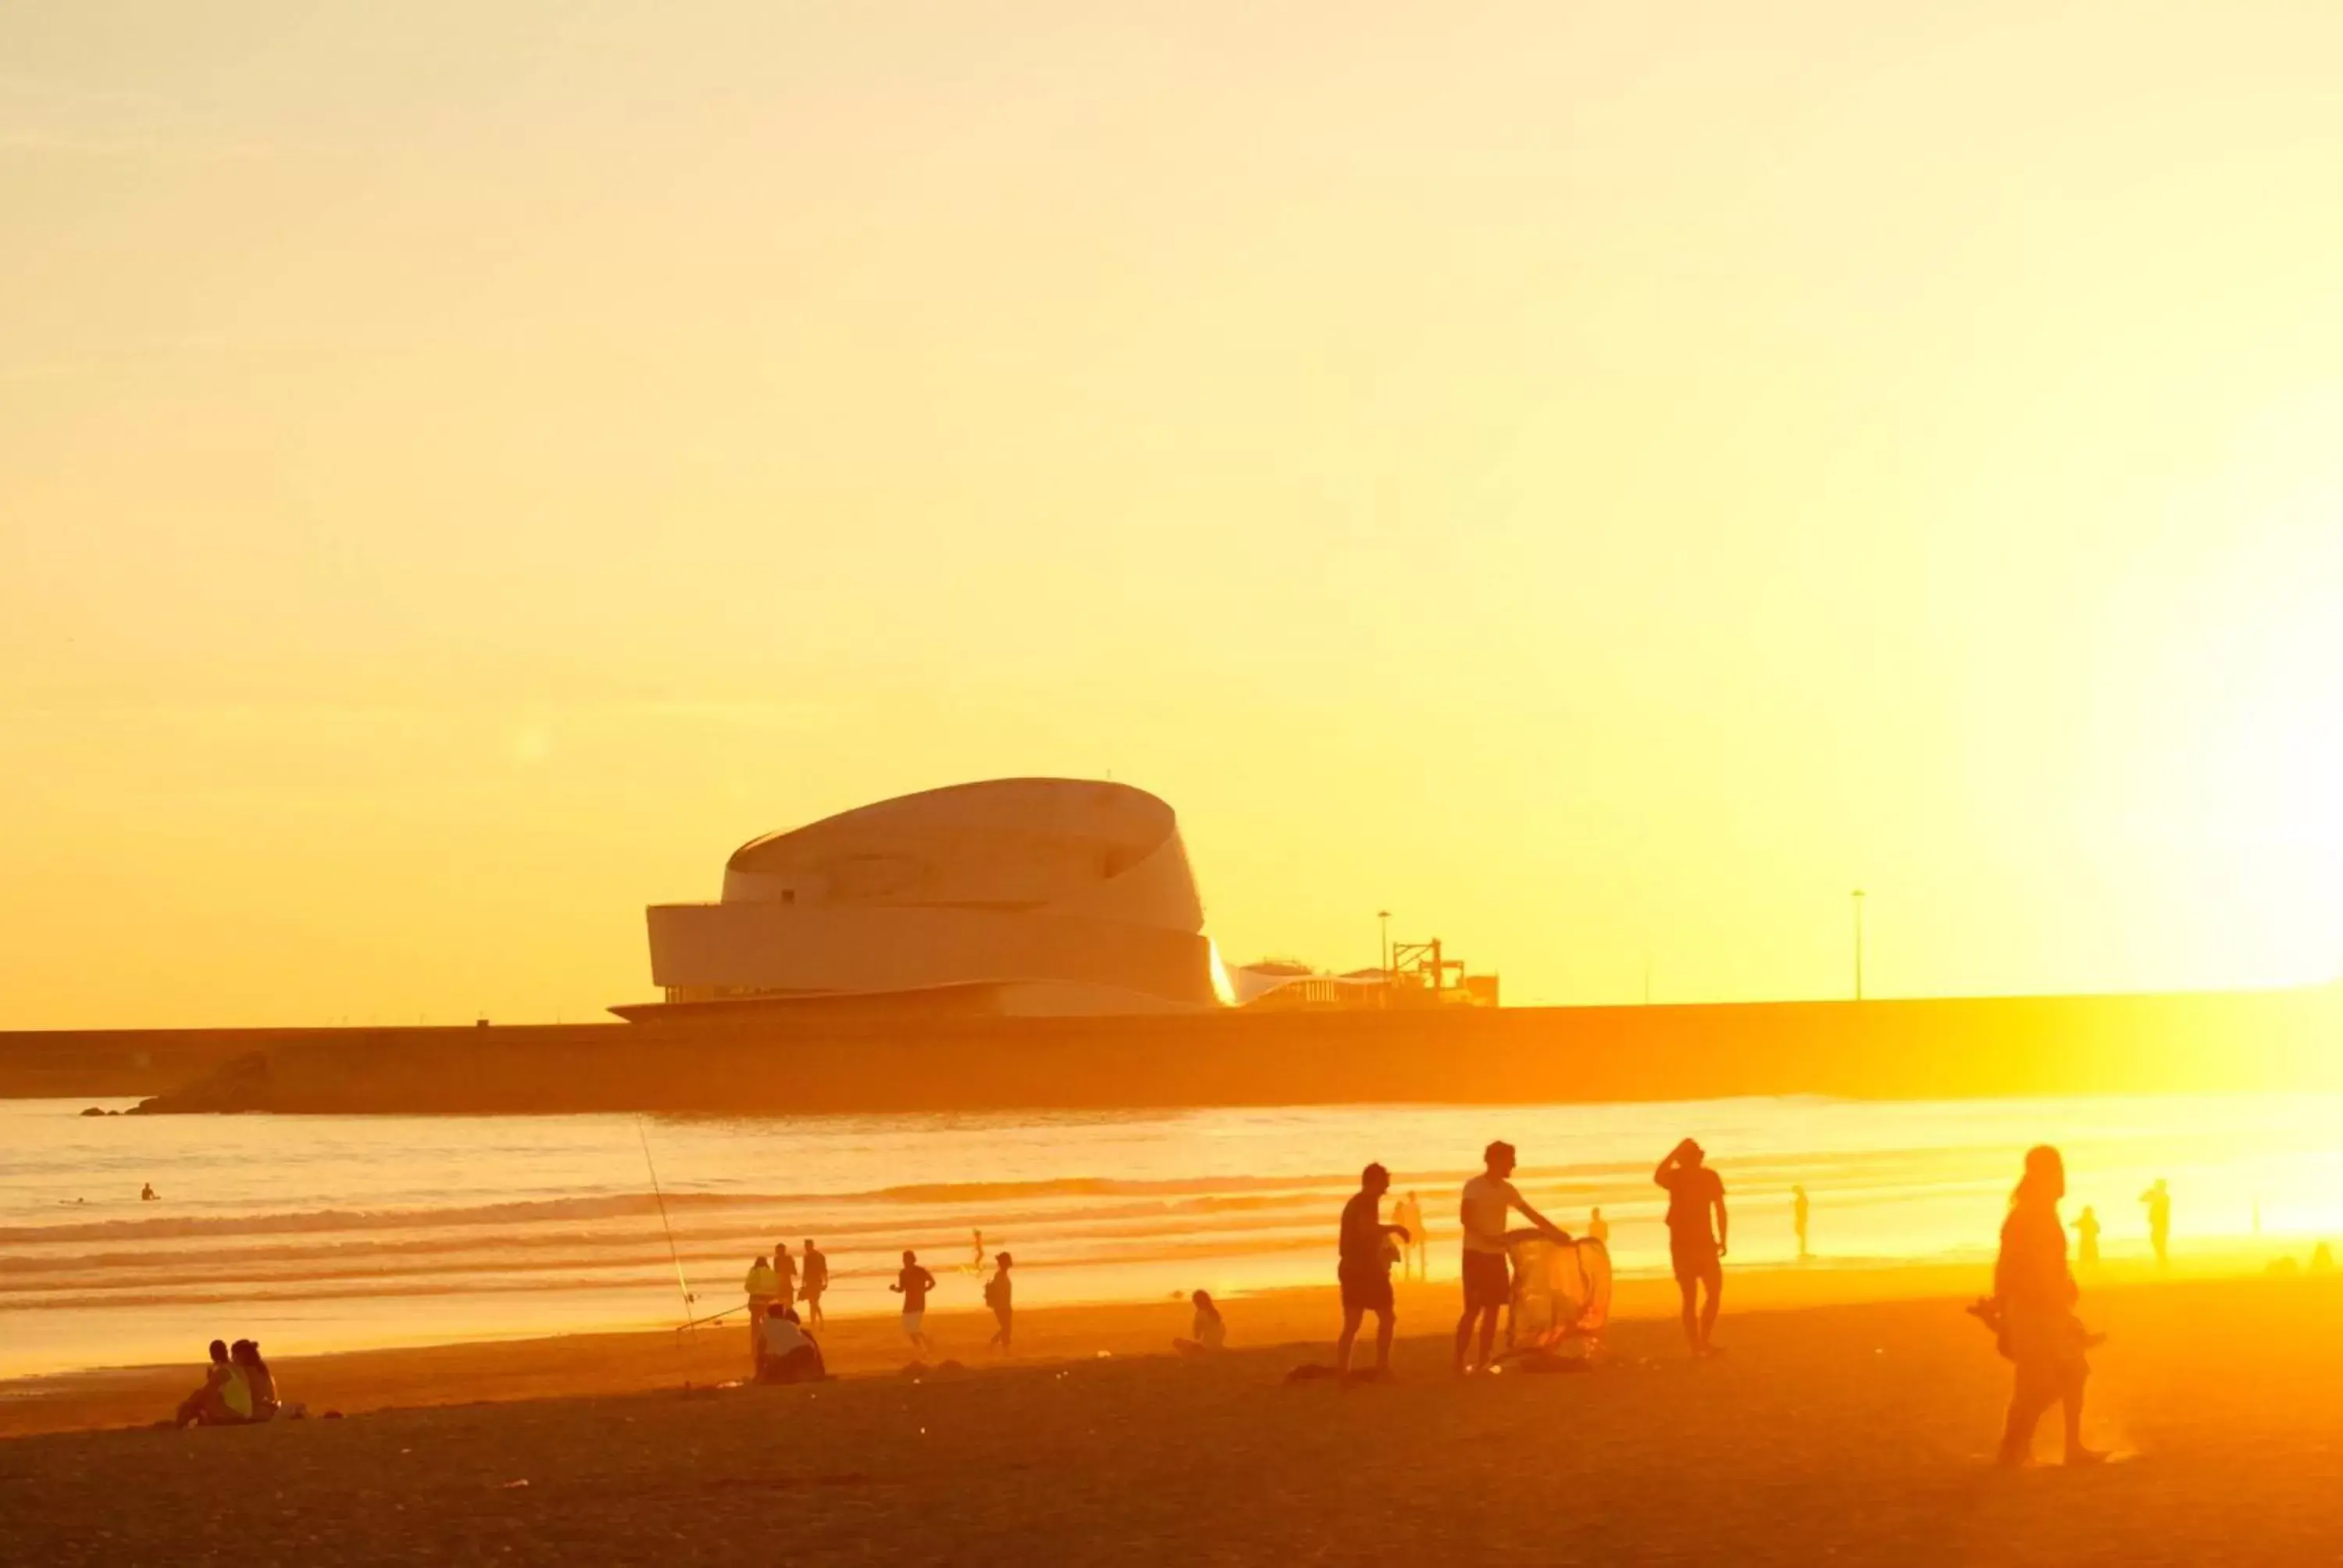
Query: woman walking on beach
[2033, 1300]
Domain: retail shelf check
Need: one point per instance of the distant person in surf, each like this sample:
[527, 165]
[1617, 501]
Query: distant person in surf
[914, 1284]
[791, 1353]
[2032, 1313]
[997, 1296]
[1695, 1247]
[976, 1253]
[224, 1400]
[1799, 1210]
[1488, 1266]
[1409, 1213]
[814, 1281]
[2086, 1238]
[1212, 1333]
[147, 1193]
[2158, 1199]
[1365, 1256]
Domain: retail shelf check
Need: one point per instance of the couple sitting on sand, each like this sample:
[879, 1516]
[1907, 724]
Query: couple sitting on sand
[238, 1389]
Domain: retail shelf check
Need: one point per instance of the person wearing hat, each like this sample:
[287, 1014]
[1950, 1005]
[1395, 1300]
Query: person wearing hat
[1695, 1250]
[1488, 1272]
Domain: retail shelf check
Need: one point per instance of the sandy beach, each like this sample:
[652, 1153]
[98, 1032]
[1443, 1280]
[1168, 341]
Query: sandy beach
[1860, 1430]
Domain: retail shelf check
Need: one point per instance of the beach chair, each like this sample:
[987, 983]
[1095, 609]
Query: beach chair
[1562, 1299]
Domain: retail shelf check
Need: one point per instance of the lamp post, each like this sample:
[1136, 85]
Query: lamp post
[1858, 944]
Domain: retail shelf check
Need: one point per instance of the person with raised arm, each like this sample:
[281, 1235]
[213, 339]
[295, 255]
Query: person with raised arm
[1695, 1251]
[1366, 1255]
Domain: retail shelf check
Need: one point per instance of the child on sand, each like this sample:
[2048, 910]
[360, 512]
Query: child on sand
[1210, 1332]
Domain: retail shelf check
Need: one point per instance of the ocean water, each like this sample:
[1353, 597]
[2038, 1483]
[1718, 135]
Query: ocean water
[319, 1234]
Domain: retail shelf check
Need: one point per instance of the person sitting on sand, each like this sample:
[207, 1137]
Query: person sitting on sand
[791, 1353]
[1366, 1256]
[1488, 1270]
[997, 1297]
[912, 1284]
[225, 1398]
[815, 1280]
[2032, 1312]
[1212, 1333]
[1696, 1252]
[245, 1355]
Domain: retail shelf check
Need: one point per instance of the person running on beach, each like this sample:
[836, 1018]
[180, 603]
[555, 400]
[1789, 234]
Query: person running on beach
[224, 1400]
[1697, 1251]
[1799, 1208]
[997, 1296]
[1364, 1271]
[1210, 1332]
[912, 1284]
[2086, 1238]
[816, 1281]
[1488, 1272]
[2032, 1312]
[2158, 1199]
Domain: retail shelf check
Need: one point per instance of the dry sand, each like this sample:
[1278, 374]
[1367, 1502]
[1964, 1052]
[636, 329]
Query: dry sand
[1855, 1432]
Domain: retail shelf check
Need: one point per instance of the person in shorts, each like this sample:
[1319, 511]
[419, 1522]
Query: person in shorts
[813, 1279]
[912, 1284]
[1488, 1272]
[1364, 1271]
[1695, 1251]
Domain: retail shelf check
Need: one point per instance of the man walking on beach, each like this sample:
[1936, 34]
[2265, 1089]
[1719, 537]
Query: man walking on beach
[1364, 1271]
[1696, 1252]
[912, 1284]
[1488, 1273]
[785, 1274]
[817, 1281]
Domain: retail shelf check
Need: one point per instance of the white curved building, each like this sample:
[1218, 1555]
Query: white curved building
[1012, 896]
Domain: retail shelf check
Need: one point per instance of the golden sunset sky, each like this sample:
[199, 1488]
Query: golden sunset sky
[1597, 478]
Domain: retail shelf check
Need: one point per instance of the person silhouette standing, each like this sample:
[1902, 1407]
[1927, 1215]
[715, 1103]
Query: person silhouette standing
[1695, 1251]
[2033, 1297]
[2158, 1199]
[814, 1279]
[1799, 1209]
[1412, 1252]
[1363, 1271]
[1598, 1229]
[2086, 1238]
[999, 1297]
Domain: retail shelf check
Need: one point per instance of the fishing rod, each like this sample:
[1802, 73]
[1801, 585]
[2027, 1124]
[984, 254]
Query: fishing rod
[642, 1129]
